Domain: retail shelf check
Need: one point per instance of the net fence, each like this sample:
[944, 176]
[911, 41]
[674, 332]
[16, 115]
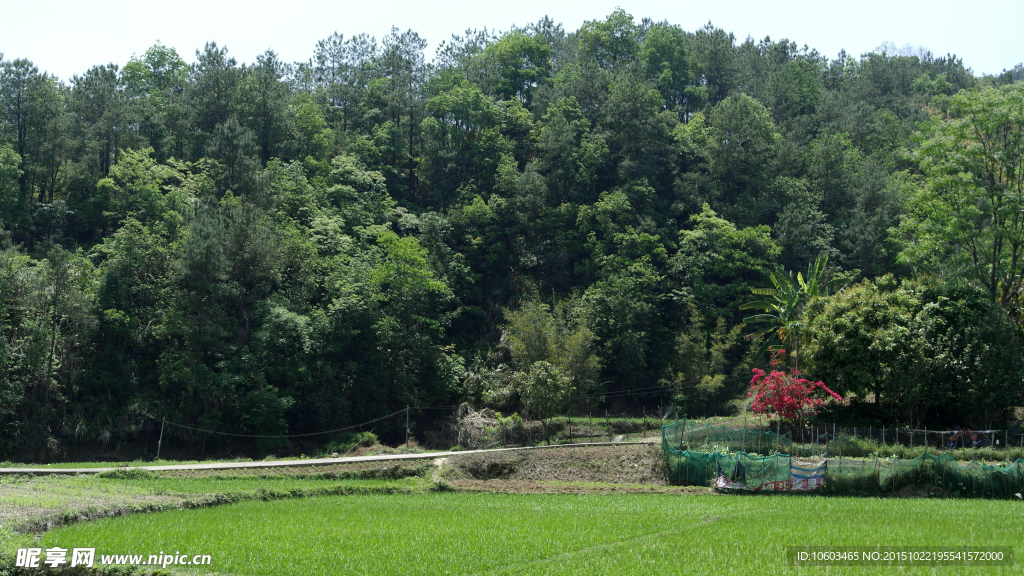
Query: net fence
[690, 462]
[684, 434]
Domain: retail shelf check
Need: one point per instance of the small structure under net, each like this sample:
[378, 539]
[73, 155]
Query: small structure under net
[741, 470]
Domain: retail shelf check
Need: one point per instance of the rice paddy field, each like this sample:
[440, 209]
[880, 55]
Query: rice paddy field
[490, 533]
[593, 510]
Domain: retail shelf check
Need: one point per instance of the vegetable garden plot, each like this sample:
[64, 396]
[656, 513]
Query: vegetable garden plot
[781, 472]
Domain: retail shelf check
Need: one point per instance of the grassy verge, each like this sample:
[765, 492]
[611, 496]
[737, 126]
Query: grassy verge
[459, 533]
[565, 430]
[63, 465]
[37, 503]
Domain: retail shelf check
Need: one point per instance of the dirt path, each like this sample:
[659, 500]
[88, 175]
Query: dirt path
[302, 463]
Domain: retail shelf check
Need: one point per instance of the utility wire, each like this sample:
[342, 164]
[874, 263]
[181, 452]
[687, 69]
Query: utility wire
[402, 411]
[622, 394]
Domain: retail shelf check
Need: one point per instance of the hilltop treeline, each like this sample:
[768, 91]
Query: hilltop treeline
[279, 248]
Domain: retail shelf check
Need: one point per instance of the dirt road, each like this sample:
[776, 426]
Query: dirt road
[298, 463]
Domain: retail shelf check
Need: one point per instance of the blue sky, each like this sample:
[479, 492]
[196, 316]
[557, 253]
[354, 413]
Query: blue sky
[66, 38]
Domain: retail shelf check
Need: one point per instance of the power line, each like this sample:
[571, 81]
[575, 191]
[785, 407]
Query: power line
[288, 435]
[621, 394]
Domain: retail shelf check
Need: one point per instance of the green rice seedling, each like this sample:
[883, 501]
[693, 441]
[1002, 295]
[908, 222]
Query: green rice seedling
[460, 533]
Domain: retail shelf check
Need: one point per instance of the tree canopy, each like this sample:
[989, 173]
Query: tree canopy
[274, 247]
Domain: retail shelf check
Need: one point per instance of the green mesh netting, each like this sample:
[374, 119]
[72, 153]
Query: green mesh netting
[684, 435]
[702, 469]
[969, 479]
[691, 466]
[681, 445]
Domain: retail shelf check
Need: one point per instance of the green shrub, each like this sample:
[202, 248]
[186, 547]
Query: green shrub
[347, 441]
[128, 474]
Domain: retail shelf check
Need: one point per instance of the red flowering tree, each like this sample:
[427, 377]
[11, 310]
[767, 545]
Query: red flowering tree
[784, 394]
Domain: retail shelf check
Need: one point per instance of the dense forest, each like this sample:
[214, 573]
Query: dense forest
[283, 248]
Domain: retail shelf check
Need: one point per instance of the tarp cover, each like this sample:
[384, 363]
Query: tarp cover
[803, 476]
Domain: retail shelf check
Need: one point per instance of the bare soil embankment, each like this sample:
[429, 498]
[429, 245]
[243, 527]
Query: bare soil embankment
[627, 468]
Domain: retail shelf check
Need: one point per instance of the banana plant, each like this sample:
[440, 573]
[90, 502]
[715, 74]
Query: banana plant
[782, 317]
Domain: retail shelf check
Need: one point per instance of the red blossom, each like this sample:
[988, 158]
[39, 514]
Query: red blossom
[786, 395]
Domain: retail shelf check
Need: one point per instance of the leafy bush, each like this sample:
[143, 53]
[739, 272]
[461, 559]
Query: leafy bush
[347, 441]
[128, 474]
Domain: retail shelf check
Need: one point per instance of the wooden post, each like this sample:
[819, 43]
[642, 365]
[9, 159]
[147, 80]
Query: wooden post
[160, 442]
[406, 426]
[778, 434]
[683, 441]
[745, 432]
